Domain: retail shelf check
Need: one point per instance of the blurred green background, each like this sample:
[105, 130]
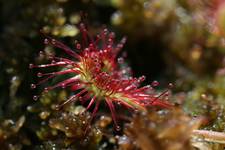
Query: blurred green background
[175, 41]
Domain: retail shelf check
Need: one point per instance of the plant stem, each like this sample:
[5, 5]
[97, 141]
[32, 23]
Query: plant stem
[210, 136]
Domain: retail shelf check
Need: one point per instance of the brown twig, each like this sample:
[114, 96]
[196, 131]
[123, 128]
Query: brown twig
[210, 136]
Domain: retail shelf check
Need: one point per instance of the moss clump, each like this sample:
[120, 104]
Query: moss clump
[167, 129]
[11, 136]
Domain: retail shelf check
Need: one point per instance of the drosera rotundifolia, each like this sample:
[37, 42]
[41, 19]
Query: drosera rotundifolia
[97, 75]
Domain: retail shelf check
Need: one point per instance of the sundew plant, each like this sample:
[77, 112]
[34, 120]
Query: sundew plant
[97, 75]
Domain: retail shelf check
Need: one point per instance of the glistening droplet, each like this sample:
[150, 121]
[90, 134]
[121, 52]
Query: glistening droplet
[53, 41]
[31, 66]
[118, 128]
[53, 62]
[142, 78]
[170, 85]
[35, 97]
[46, 90]
[78, 46]
[63, 85]
[120, 60]
[41, 53]
[39, 74]
[32, 86]
[46, 41]
[155, 83]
